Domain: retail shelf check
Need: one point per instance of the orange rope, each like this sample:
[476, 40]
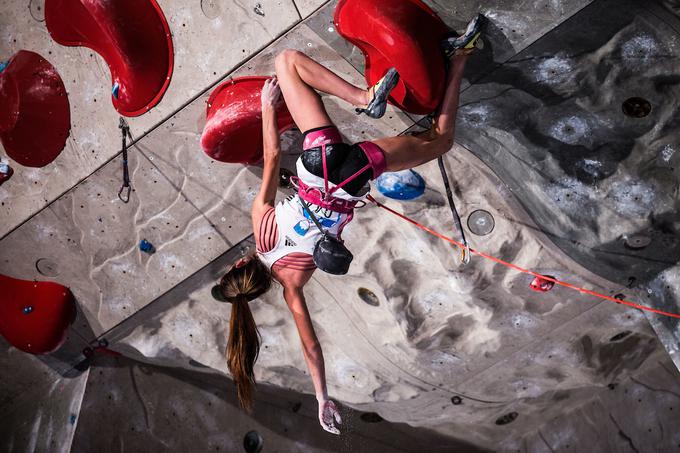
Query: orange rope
[526, 271]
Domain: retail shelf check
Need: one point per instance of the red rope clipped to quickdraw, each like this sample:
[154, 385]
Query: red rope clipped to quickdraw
[521, 269]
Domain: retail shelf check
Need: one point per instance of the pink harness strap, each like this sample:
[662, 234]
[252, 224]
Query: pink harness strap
[328, 193]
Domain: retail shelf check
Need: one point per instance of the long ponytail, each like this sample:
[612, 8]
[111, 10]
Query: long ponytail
[240, 286]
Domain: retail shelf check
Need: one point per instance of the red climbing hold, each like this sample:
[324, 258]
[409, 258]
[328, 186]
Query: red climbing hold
[132, 36]
[404, 34]
[542, 285]
[233, 130]
[35, 119]
[34, 316]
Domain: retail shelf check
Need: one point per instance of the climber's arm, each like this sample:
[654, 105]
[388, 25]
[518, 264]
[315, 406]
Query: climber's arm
[329, 416]
[266, 197]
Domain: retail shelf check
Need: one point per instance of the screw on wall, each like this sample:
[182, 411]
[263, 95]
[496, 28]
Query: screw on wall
[456, 400]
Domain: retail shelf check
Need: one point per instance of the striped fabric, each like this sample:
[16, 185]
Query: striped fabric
[269, 236]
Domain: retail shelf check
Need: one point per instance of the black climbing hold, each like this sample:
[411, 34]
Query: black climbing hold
[620, 296]
[636, 107]
[481, 222]
[371, 417]
[368, 296]
[456, 400]
[507, 418]
[284, 178]
[620, 335]
[612, 385]
[253, 442]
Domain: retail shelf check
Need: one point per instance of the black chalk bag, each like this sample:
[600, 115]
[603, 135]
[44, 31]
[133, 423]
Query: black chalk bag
[330, 254]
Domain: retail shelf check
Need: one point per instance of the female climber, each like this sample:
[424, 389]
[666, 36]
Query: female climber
[332, 178]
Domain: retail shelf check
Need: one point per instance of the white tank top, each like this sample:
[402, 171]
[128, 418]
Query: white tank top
[297, 231]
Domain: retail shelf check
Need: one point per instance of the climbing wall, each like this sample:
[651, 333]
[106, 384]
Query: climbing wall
[468, 356]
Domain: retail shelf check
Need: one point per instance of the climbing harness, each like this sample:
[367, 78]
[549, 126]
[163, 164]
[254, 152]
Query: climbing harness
[619, 300]
[325, 198]
[465, 250]
[330, 254]
[125, 132]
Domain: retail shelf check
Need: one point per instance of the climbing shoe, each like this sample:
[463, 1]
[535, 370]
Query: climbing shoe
[379, 94]
[464, 44]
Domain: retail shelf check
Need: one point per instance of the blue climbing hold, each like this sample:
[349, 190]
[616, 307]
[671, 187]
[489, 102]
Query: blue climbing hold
[3, 65]
[146, 246]
[115, 90]
[72, 419]
[28, 310]
[401, 185]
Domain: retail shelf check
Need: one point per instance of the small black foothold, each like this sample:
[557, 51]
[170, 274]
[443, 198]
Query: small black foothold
[507, 418]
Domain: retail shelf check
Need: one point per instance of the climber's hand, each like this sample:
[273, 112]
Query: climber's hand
[328, 416]
[271, 93]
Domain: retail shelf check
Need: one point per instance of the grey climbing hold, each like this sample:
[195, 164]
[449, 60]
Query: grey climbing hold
[637, 241]
[47, 267]
[481, 222]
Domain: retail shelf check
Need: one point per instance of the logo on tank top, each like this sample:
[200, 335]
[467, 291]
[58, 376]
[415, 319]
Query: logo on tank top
[289, 242]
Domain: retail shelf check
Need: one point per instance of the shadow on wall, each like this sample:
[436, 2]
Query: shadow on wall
[202, 409]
